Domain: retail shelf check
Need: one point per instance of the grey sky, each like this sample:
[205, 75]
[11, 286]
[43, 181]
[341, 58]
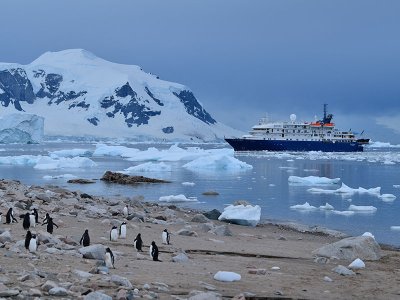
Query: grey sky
[240, 58]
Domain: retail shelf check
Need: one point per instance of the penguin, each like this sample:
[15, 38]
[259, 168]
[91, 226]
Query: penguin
[50, 225]
[137, 242]
[154, 251]
[109, 258]
[33, 244]
[113, 234]
[165, 237]
[122, 230]
[35, 212]
[32, 219]
[46, 217]
[10, 216]
[28, 237]
[126, 211]
[85, 239]
[0, 216]
[26, 223]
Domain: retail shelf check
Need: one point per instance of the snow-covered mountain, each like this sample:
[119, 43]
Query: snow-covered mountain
[79, 94]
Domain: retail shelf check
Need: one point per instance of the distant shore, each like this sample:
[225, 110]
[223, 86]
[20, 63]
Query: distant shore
[273, 260]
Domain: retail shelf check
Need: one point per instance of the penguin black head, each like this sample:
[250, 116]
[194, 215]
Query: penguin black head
[153, 243]
[108, 250]
[123, 223]
[114, 227]
[87, 231]
[34, 236]
[165, 230]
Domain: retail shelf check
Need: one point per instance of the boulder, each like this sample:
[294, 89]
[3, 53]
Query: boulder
[121, 178]
[122, 281]
[222, 230]
[212, 214]
[95, 251]
[342, 270]
[97, 296]
[180, 258]
[200, 218]
[363, 247]
[186, 232]
[5, 237]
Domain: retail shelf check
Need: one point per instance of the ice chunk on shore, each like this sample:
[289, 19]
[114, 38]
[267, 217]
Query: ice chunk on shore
[312, 180]
[176, 198]
[357, 264]
[150, 167]
[362, 208]
[227, 276]
[305, 206]
[247, 215]
[217, 163]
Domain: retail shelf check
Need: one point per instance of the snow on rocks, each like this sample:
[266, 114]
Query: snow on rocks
[247, 215]
[227, 276]
[363, 247]
[312, 180]
[357, 264]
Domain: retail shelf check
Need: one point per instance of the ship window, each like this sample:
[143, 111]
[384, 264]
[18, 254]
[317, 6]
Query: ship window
[283, 135]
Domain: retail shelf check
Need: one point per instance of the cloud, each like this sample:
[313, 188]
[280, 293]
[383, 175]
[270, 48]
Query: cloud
[391, 122]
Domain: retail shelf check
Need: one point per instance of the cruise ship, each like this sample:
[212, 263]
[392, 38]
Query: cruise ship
[320, 135]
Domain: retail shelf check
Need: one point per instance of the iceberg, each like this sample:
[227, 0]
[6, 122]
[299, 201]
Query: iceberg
[247, 215]
[327, 206]
[312, 180]
[362, 208]
[346, 190]
[305, 206]
[387, 197]
[186, 183]
[21, 128]
[343, 212]
[217, 163]
[150, 167]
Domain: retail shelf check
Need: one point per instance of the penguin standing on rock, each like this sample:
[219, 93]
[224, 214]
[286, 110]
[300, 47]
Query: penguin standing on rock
[109, 258]
[27, 221]
[122, 230]
[50, 225]
[138, 243]
[46, 217]
[0, 216]
[33, 244]
[32, 219]
[35, 212]
[28, 237]
[165, 237]
[154, 251]
[85, 239]
[126, 211]
[10, 216]
[114, 234]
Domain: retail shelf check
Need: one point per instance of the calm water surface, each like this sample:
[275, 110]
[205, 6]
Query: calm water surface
[266, 184]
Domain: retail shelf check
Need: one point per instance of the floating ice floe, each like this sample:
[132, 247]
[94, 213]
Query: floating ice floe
[47, 163]
[247, 215]
[327, 206]
[397, 186]
[312, 180]
[177, 198]
[186, 183]
[122, 151]
[344, 189]
[361, 208]
[65, 176]
[387, 197]
[227, 276]
[343, 212]
[70, 153]
[217, 163]
[150, 167]
[305, 206]
[395, 228]
[357, 264]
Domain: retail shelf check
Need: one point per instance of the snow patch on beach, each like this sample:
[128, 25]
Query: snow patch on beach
[227, 276]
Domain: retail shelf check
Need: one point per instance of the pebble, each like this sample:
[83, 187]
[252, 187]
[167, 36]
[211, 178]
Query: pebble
[58, 291]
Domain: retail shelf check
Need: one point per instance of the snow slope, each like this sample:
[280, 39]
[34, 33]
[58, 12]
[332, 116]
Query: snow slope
[80, 94]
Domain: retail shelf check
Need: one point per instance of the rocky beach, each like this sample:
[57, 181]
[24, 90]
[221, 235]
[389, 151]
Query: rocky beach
[274, 261]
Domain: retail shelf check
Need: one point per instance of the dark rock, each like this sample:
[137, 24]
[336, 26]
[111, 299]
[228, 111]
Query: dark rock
[161, 218]
[86, 196]
[81, 181]
[210, 193]
[121, 178]
[212, 214]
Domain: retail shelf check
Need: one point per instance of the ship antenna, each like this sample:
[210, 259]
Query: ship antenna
[325, 105]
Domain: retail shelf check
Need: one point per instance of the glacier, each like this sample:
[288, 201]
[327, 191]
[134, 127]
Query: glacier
[21, 128]
[80, 94]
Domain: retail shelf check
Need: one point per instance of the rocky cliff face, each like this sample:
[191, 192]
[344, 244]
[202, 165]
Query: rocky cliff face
[80, 94]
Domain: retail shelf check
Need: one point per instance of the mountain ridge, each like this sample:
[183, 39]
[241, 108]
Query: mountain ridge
[81, 94]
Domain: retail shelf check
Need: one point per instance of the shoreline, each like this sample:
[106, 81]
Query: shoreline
[273, 260]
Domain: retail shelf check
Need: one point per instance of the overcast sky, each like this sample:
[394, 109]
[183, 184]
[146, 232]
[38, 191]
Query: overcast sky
[241, 59]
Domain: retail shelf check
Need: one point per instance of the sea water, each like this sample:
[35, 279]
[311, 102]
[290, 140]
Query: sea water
[266, 184]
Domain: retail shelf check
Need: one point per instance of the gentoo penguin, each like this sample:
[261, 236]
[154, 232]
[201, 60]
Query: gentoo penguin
[33, 244]
[50, 225]
[165, 237]
[154, 251]
[109, 258]
[32, 219]
[114, 234]
[28, 237]
[0, 216]
[46, 217]
[122, 230]
[10, 216]
[126, 211]
[26, 223]
[85, 239]
[35, 212]
[137, 242]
